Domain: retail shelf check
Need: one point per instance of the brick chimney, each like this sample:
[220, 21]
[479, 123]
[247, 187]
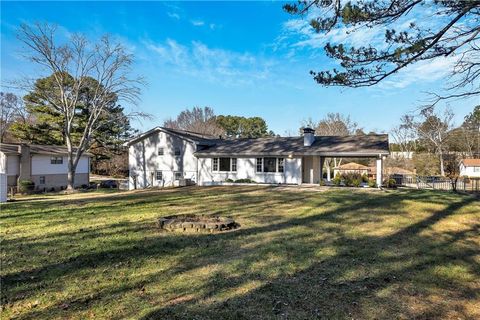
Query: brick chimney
[308, 137]
[25, 163]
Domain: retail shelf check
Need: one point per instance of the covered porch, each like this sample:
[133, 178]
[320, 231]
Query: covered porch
[314, 167]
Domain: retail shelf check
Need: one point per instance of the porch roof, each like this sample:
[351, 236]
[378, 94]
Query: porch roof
[371, 145]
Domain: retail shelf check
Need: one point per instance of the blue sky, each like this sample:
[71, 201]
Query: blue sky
[241, 58]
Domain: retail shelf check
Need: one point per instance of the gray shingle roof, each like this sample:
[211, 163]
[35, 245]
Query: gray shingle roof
[14, 148]
[197, 138]
[361, 145]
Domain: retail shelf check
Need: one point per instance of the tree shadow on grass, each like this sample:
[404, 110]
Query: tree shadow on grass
[324, 291]
[349, 281]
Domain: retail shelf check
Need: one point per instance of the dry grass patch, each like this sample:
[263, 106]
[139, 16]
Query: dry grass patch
[330, 254]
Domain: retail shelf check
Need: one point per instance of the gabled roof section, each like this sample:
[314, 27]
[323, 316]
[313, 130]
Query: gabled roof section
[471, 162]
[352, 166]
[198, 138]
[359, 145]
[14, 149]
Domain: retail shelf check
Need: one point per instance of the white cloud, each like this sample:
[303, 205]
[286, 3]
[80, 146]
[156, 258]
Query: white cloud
[422, 71]
[173, 15]
[226, 67]
[197, 23]
[299, 38]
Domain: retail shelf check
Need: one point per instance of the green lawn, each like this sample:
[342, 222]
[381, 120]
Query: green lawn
[299, 254]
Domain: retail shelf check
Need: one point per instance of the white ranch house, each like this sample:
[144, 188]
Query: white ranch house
[470, 168]
[168, 157]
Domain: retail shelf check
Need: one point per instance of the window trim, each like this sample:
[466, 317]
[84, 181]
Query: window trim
[175, 175]
[257, 164]
[56, 160]
[260, 163]
[233, 164]
[282, 160]
[275, 165]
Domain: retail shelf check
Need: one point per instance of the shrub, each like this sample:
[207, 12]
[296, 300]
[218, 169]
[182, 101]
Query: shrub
[26, 186]
[350, 177]
[337, 180]
[356, 182]
[244, 181]
[322, 182]
[228, 180]
[364, 177]
[390, 183]
[372, 183]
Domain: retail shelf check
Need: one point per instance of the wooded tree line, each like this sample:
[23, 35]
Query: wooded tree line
[436, 142]
[204, 121]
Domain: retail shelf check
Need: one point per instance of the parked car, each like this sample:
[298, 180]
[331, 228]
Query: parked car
[109, 184]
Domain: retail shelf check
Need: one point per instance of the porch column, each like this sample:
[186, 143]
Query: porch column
[322, 161]
[379, 168]
[328, 170]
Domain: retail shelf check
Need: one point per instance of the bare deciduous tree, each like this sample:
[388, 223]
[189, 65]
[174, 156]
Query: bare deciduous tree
[71, 64]
[336, 124]
[11, 109]
[404, 135]
[432, 128]
[199, 120]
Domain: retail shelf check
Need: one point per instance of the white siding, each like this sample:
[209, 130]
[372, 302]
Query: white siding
[13, 165]
[3, 177]
[3, 187]
[3, 163]
[246, 169]
[41, 165]
[468, 171]
[144, 161]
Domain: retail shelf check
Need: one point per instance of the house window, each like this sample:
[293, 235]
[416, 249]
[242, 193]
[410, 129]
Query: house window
[177, 151]
[159, 175]
[224, 164]
[280, 164]
[269, 164]
[476, 169]
[178, 175]
[42, 180]
[56, 160]
[160, 151]
[259, 164]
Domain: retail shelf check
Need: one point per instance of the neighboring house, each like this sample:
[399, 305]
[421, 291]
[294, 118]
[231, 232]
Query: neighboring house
[401, 155]
[470, 168]
[351, 167]
[390, 171]
[164, 157]
[398, 171]
[46, 166]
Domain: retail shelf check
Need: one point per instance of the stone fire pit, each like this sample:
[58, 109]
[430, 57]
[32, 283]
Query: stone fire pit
[196, 223]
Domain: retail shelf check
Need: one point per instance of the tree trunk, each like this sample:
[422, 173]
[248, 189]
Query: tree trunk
[71, 172]
[442, 169]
